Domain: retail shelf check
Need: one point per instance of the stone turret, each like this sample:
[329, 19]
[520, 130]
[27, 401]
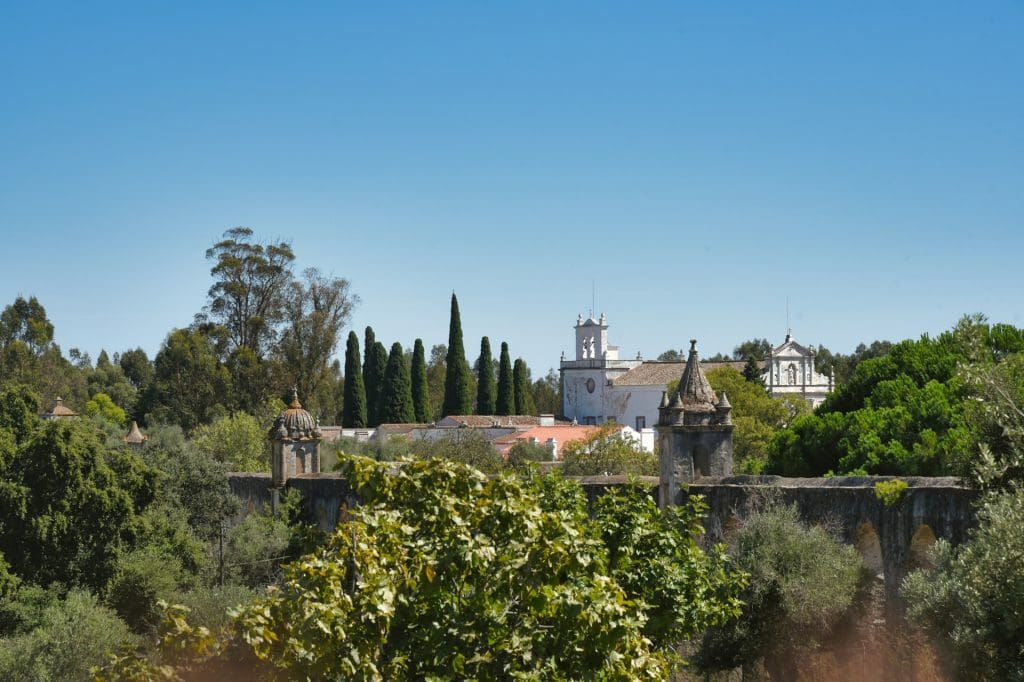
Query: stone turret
[135, 438]
[694, 431]
[294, 442]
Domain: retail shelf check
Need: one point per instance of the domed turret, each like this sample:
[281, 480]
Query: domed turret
[294, 443]
[295, 423]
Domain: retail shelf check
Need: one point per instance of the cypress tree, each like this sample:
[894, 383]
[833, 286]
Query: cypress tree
[506, 402]
[457, 396]
[486, 390]
[521, 388]
[396, 390]
[373, 377]
[420, 386]
[353, 413]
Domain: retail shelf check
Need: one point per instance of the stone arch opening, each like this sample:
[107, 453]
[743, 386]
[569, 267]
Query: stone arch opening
[920, 544]
[870, 548]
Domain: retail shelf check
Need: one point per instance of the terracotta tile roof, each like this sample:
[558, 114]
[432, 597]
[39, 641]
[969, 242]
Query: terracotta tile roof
[59, 409]
[135, 437]
[654, 373]
[398, 429]
[562, 435]
[486, 421]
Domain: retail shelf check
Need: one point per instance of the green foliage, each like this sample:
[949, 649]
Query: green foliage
[68, 505]
[998, 414]
[420, 385]
[546, 393]
[653, 556]
[73, 635]
[486, 388]
[506, 400]
[192, 481]
[756, 415]
[19, 411]
[26, 321]
[109, 379]
[137, 368]
[248, 288]
[467, 446]
[900, 414]
[458, 398]
[143, 577]
[22, 609]
[970, 601]
[190, 386]
[256, 548]
[444, 573]
[315, 310]
[523, 453]
[354, 411]
[373, 378]
[522, 395]
[238, 440]
[890, 492]
[802, 581]
[396, 390]
[100, 405]
[606, 451]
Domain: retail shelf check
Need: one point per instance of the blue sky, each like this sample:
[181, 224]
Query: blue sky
[697, 162]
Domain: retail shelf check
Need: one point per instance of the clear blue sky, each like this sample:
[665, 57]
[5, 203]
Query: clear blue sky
[699, 162]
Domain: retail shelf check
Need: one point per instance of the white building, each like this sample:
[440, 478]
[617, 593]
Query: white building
[597, 386]
[790, 371]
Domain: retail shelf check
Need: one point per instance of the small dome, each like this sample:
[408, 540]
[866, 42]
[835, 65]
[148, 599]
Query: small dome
[295, 423]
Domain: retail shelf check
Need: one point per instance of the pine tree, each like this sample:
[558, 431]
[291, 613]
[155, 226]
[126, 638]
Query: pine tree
[354, 411]
[376, 367]
[521, 388]
[396, 390]
[457, 396]
[506, 402]
[420, 386]
[486, 390]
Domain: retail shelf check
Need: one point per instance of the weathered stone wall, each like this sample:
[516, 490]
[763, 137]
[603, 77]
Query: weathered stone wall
[895, 536]
[891, 538]
[326, 496]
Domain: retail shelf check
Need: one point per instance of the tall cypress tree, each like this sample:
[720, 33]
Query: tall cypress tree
[353, 413]
[420, 386]
[371, 379]
[457, 396]
[521, 388]
[506, 402]
[486, 389]
[396, 390]
[373, 376]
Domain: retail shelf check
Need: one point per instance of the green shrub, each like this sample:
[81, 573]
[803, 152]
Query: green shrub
[890, 492]
[73, 635]
[802, 581]
[208, 606]
[971, 601]
[143, 577]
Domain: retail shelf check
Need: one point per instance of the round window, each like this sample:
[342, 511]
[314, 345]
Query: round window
[590, 385]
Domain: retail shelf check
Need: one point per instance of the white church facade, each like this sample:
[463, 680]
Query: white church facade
[790, 371]
[598, 386]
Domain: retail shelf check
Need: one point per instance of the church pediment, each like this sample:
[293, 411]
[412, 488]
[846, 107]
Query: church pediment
[792, 349]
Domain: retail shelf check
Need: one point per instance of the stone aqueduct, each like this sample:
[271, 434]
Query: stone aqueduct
[891, 539]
